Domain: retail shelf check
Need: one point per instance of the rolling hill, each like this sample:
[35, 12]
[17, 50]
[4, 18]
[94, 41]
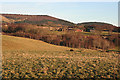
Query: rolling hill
[28, 58]
[53, 32]
[38, 20]
[100, 26]
[49, 21]
[19, 43]
[93, 23]
[4, 19]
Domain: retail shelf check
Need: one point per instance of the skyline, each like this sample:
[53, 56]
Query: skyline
[76, 12]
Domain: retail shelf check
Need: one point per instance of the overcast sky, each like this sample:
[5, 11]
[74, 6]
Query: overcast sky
[76, 12]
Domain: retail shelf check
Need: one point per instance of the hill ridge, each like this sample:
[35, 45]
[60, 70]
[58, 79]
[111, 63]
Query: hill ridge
[54, 19]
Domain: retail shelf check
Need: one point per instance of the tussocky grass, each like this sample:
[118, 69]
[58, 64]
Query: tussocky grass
[27, 58]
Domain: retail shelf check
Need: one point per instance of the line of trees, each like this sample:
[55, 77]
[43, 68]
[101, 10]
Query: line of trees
[71, 39]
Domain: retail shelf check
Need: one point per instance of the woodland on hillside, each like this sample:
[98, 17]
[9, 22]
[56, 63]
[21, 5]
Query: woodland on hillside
[69, 39]
[90, 35]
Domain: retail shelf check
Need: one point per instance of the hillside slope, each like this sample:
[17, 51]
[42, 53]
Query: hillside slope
[27, 58]
[19, 43]
[38, 20]
[4, 19]
[49, 21]
[99, 26]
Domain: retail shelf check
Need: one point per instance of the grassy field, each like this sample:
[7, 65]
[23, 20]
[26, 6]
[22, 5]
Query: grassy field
[27, 58]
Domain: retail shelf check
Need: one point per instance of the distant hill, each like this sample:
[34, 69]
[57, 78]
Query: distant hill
[99, 26]
[61, 32]
[4, 19]
[49, 21]
[94, 23]
[37, 20]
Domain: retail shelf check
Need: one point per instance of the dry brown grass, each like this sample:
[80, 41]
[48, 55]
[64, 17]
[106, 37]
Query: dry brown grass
[27, 58]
